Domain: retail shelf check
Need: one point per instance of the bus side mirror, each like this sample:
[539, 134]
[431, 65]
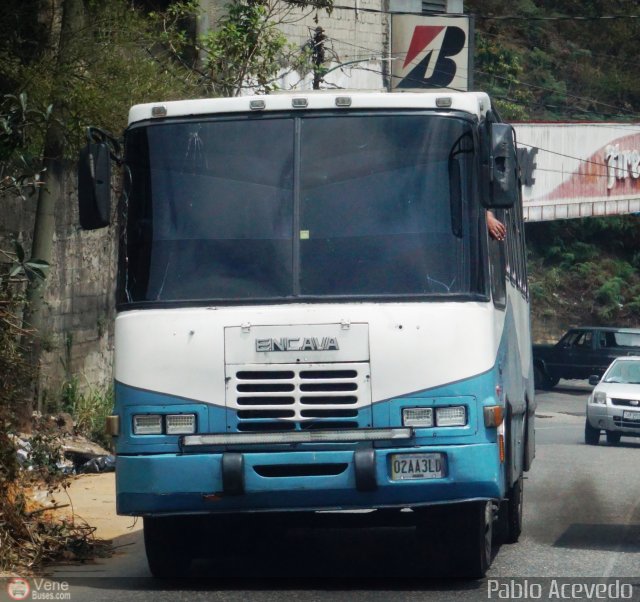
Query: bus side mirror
[94, 185]
[503, 168]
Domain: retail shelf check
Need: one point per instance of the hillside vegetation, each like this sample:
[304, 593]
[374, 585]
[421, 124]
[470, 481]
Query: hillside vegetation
[569, 60]
[585, 271]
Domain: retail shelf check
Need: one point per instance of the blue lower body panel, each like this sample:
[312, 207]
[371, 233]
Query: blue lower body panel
[192, 483]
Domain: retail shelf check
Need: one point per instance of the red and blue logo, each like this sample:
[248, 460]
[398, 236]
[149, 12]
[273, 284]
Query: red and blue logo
[433, 46]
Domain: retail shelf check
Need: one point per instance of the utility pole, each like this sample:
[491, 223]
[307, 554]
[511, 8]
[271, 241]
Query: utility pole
[318, 56]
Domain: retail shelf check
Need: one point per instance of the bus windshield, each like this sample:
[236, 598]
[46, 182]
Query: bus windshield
[280, 206]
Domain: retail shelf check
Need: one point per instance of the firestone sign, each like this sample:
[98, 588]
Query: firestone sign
[621, 164]
[579, 169]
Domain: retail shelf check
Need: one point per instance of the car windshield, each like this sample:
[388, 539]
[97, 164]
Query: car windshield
[624, 371]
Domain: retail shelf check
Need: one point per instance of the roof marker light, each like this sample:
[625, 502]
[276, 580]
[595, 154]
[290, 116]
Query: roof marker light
[299, 103]
[257, 105]
[343, 101]
[444, 102]
[159, 111]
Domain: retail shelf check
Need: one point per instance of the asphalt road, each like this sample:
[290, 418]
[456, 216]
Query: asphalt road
[582, 520]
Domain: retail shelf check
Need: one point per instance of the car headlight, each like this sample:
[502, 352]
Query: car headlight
[600, 397]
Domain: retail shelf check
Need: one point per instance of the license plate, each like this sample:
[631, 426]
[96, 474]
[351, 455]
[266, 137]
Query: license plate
[416, 466]
[631, 415]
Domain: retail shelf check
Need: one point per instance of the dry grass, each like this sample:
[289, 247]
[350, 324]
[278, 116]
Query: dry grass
[33, 534]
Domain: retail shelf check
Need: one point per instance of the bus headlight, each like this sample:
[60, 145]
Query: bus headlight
[147, 424]
[451, 416]
[181, 424]
[419, 417]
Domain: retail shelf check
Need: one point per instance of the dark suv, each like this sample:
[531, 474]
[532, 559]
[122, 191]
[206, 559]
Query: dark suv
[582, 352]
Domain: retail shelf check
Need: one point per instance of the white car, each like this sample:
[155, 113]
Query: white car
[614, 404]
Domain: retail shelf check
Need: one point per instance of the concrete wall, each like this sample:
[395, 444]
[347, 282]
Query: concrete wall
[79, 298]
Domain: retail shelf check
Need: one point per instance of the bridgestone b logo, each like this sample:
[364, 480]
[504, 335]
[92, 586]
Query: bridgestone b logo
[298, 344]
[437, 45]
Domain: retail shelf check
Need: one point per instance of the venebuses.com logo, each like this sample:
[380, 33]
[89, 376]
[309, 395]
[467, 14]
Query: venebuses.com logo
[18, 588]
[38, 589]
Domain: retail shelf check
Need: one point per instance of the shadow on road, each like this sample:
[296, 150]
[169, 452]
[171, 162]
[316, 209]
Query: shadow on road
[619, 538]
[307, 559]
[569, 387]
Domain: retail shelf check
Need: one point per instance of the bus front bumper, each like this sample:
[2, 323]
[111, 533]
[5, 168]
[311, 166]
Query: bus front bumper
[164, 484]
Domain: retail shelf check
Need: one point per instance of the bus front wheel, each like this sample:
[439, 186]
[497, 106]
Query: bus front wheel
[511, 512]
[168, 545]
[457, 538]
[475, 535]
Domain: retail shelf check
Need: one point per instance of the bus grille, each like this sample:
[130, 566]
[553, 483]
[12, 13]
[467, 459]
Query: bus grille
[299, 396]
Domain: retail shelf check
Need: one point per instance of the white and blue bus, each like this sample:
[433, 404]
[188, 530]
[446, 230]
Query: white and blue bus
[311, 316]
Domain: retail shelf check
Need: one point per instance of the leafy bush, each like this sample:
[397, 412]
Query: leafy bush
[582, 274]
[610, 293]
[89, 409]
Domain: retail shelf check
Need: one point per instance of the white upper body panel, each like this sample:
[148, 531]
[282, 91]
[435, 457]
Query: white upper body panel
[476, 103]
[411, 346]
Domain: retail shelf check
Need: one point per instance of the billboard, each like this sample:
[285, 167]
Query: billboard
[431, 52]
[574, 170]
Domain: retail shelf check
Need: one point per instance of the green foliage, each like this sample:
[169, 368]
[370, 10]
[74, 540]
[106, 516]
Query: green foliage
[609, 297]
[89, 409]
[586, 270]
[568, 69]
[20, 125]
[498, 70]
[114, 61]
[246, 49]
[21, 133]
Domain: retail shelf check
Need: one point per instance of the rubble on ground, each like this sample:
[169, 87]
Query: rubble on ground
[77, 455]
[31, 533]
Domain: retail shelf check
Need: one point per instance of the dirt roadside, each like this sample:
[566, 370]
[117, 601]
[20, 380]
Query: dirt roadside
[92, 499]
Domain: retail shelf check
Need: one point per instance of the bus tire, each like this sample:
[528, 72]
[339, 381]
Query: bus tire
[591, 434]
[168, 544]
[509, 524]
[511, 512]
[474, 535]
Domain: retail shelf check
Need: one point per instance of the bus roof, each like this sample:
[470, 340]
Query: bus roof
[476, 103]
